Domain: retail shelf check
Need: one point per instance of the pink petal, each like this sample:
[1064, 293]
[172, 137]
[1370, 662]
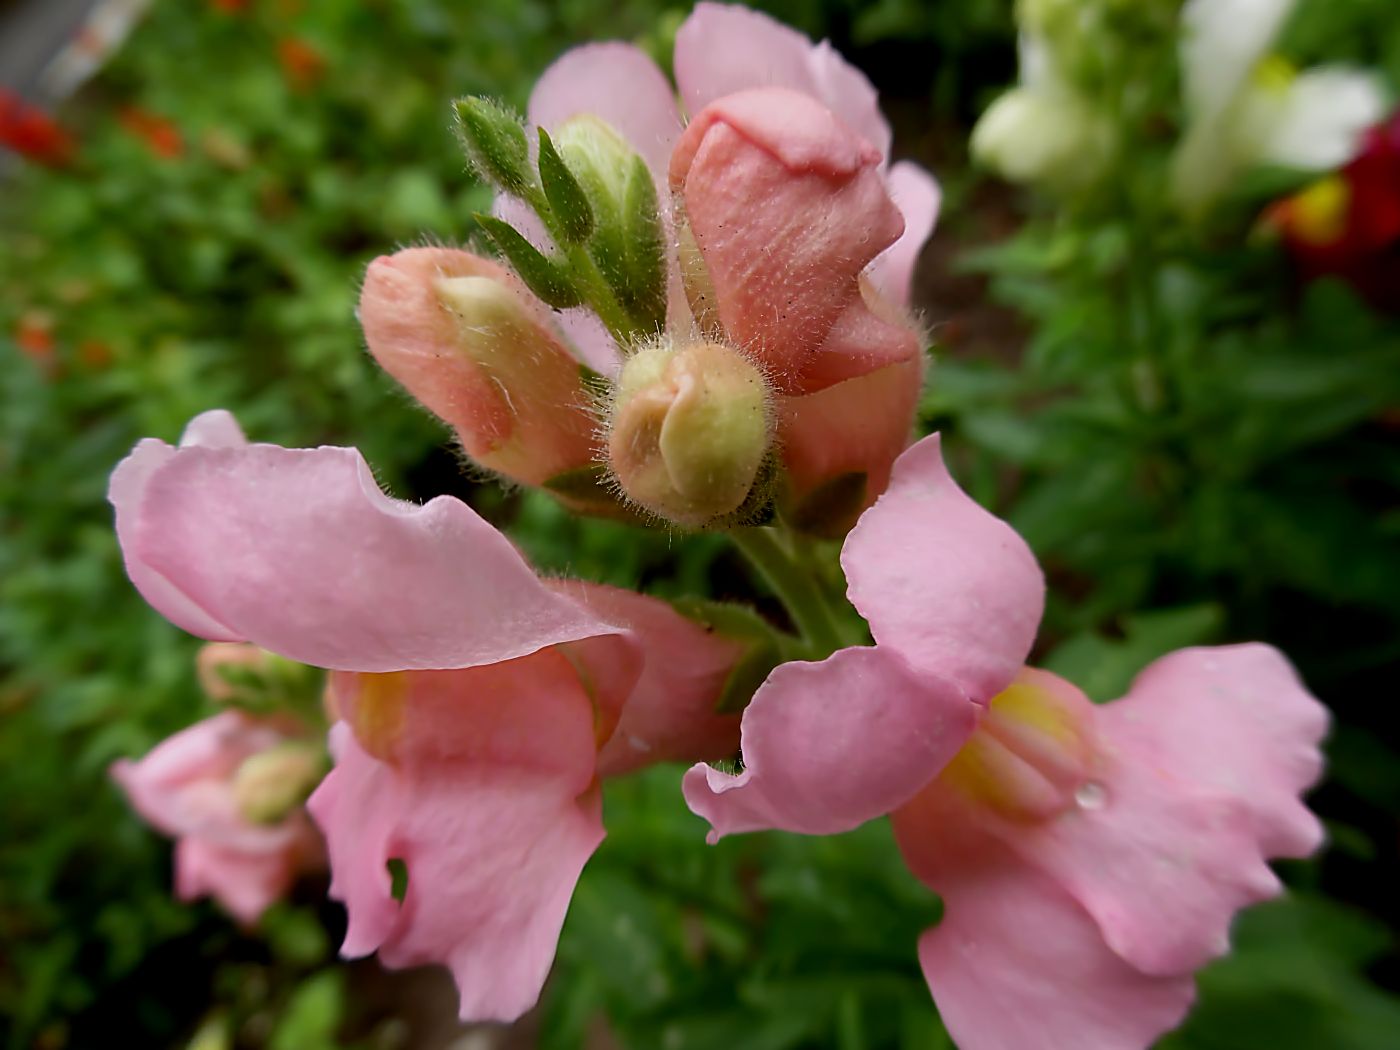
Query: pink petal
[918, 196]
[492, 851]
[182, 786]
[830, 745]
[1236, 721]
[946, 584]
[1016, 963]
[788, 207]
[670, 715]
[299, 552]
[722, 49]
[857, 426]
[617, 83]
[215, 429]
[245, 882]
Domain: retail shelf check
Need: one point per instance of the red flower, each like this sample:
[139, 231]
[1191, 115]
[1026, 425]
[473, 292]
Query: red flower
[1347, 224]
[34, 336]
[160, 135]
[32, 133]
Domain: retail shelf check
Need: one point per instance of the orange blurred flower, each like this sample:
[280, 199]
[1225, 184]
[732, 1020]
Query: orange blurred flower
[34, 336]
[302, 64]
[160, 135]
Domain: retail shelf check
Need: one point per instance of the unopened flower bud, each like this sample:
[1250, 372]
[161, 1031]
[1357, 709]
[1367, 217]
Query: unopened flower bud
[272, 783]
[1052, 137]
[474, 347]
[628, 241]
[689, 432]
[495, 143]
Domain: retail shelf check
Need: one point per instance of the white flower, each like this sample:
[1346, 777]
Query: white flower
[1245, 107]
[1044, 130]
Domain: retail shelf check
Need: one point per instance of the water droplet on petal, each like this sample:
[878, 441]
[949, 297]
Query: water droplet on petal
[1090, 795]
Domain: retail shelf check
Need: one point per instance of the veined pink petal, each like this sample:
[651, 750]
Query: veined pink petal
[1236, 721]
[1016, 963]
[787, 206]
[617, 83]
[830, 745]
[670, 715]
[722, 49]
[918, 196]
[943, 582]
[299, 552]
[492, 852]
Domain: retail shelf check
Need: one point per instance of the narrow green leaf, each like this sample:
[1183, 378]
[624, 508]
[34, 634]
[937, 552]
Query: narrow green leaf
[547, 278]
[495, 142]
[567, 200]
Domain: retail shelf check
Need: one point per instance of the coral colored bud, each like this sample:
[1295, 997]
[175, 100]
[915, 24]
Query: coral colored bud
[473, 346]
[781, 207]
[689, 432]
[272, 783]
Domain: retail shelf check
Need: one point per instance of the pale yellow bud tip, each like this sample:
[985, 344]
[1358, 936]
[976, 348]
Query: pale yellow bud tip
[689, 431]
[272, 783]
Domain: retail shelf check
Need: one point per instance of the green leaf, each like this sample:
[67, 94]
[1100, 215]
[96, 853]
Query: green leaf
[567, 201]
[1104, 668]
[548, 278]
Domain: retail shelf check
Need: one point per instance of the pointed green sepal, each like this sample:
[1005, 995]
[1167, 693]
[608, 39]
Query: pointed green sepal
[572, 213]
[548, 278]
[495, 142]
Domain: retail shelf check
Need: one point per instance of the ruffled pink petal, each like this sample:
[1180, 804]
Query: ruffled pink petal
[1235, 721]
[670, 715]
[619, 84]
[1016, 963]
[787, 206]
[1196, 785]
[722, 49]
[830, 745]
[214, 429]
[918, 196]
[492, 853]
[299, 552]
[941, 581]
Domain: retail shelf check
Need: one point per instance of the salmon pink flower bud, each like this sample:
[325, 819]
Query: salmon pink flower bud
[787, 207]
[188, 788]
[1090, 858]
[689, 431]
[475, 348]
[476, 705]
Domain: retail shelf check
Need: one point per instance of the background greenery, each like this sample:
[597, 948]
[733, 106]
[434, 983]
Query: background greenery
[240, 163]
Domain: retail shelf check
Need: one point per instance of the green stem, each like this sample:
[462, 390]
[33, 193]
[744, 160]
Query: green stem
[796, 587]
[596, 291]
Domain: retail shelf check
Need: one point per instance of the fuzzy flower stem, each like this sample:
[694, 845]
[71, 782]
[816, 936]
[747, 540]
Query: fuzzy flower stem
[596, 292]
[794, 585]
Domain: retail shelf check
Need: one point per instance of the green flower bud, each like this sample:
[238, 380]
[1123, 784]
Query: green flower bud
[272, 783]
[495, 143]
[628, 242]
[690, 431]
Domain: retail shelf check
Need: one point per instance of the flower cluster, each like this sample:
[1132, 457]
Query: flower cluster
[702, 325]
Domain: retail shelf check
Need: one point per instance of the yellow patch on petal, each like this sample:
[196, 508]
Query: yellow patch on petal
[1031, 751]
[1319, 213]
[376, 714]
[1275, 74]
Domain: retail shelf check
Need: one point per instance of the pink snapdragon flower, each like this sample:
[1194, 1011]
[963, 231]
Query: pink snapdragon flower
[477, 704]
[1090, 858]
[192, 787]
[797, 238]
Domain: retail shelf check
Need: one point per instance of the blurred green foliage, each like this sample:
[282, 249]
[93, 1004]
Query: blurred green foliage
[237, 170]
